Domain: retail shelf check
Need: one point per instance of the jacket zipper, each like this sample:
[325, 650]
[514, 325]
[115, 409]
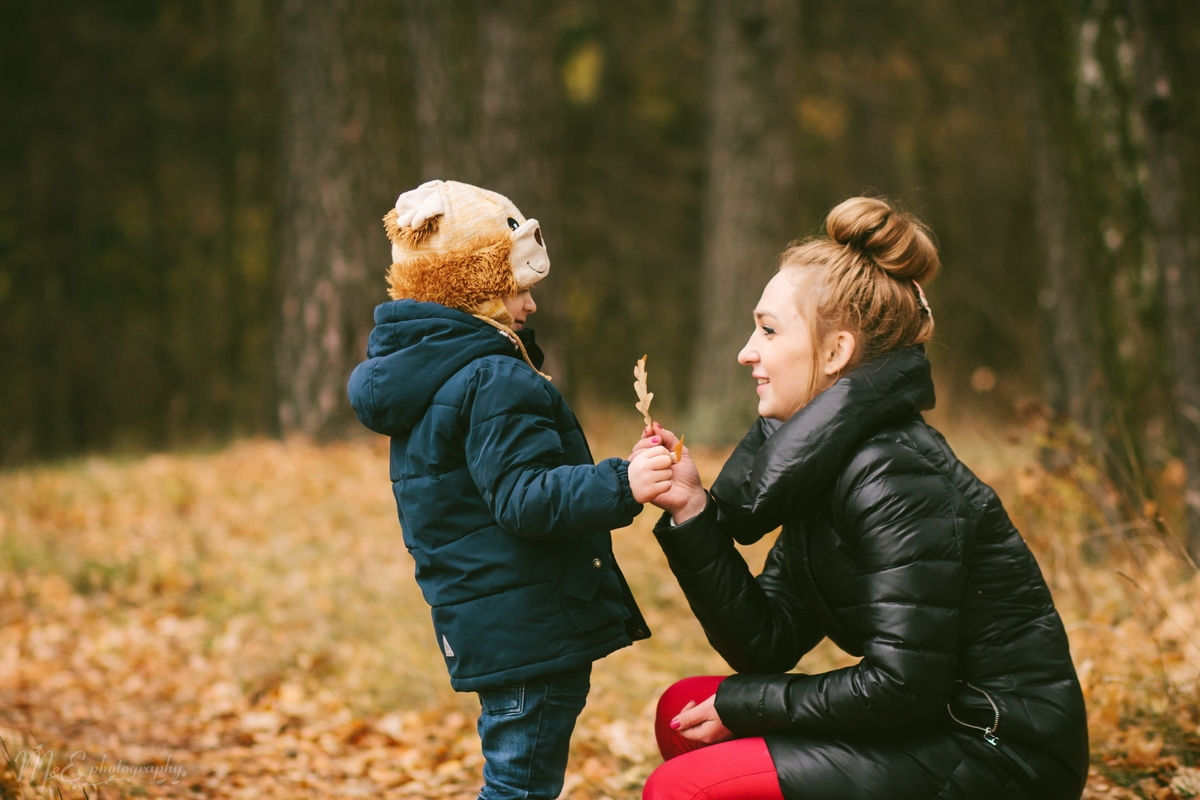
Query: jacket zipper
[989, 734]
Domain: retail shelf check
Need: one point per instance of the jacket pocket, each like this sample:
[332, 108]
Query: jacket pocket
[591, 588]
[507, 701]
[587, 569]
[596, 614]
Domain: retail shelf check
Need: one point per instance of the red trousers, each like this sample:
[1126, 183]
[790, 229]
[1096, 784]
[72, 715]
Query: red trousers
[740, 769]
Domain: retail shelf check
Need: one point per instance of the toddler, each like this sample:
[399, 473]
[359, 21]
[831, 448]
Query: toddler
[500, 503]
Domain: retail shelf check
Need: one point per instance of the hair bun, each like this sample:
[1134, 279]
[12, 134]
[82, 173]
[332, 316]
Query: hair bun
[895, 240]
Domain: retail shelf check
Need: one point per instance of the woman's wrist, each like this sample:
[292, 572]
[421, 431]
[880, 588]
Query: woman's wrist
[692, 508]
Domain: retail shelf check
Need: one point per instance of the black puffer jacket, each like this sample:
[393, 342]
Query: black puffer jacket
[898, 553]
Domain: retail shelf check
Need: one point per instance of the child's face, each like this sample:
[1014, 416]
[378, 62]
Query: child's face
[520, 305]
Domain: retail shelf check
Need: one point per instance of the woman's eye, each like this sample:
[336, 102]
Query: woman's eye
[767, 329]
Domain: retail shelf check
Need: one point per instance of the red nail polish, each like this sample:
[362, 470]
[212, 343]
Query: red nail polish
[655, 440]
[674, 724]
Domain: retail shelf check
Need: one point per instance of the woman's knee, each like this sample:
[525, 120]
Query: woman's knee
[740, 769]
[694, 689]
[659, 786]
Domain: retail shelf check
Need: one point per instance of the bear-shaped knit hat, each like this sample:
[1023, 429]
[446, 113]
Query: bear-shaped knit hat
[463, 247]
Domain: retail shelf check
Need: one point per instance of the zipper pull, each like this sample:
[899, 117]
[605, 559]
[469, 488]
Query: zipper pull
[994, 740]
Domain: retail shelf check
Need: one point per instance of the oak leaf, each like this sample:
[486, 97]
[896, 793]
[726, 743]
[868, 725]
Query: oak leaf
[639, 386]
[643, 404]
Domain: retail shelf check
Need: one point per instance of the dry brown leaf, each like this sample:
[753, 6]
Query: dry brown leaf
[639, 386]
[643, 404]
[249, 698]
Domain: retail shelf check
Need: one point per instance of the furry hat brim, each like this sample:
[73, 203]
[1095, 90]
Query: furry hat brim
[463, 277]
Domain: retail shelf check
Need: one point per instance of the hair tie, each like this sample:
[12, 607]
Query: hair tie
[921, 301]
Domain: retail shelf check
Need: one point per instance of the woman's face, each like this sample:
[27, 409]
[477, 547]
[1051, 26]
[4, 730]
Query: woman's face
[780, 351]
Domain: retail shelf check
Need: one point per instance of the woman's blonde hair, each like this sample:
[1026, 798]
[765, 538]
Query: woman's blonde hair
[864, 277]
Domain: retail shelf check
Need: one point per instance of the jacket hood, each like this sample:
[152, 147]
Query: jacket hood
[413, 350]
[778, 465]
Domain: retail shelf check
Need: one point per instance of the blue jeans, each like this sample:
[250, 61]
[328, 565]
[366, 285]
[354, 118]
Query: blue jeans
[526, 730]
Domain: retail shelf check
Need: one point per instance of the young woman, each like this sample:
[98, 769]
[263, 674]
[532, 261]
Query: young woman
[890, 546]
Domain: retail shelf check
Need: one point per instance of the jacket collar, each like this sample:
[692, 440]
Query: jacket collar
[528, 338]
[416, 348]
[777, 466]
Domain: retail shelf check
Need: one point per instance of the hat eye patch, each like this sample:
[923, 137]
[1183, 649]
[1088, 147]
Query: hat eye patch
[513, 224]
[529, 259]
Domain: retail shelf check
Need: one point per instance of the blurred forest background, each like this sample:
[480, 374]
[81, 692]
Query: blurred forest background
[190, 196]
[191, 247]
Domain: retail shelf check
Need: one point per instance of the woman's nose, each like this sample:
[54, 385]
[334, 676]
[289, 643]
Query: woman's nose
[747, 356]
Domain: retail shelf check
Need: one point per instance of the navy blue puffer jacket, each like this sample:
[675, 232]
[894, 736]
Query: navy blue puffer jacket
[501, 507]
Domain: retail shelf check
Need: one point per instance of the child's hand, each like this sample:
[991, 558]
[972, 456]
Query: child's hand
[685, 498]
[650, 473]
[649, 439]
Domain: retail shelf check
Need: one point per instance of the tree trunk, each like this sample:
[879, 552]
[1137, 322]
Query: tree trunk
[1173, 233]
[338, 168]
[519, 142]
[440, 46]
[1069, 295]
[487, 113]
[750, 197]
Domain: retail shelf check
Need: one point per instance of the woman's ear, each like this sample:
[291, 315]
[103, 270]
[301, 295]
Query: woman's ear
[839, 350]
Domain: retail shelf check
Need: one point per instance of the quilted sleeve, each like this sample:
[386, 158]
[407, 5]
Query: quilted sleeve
[757, 625]
[515, 457]
[898, 516]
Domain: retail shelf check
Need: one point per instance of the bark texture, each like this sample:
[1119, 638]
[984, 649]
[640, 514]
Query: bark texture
[337, 172]
[1173, 232]
[439, 34]
[749, 202]
[519, 142]
[487, 108]
[1069, 295]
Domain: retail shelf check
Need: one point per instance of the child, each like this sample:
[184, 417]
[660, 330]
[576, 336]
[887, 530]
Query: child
[500, 504]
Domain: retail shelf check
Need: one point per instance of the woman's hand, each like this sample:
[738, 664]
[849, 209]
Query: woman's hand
[649, 473]
[648, 440]
[685, 498]
[701, 723]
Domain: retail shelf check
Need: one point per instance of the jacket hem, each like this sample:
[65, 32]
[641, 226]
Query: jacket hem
[526, 672]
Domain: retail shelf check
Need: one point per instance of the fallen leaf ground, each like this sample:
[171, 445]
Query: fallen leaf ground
[244, 623]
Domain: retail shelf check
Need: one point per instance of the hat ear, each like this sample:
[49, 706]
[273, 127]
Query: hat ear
[415, 217]
[417, 205]
[407, 237]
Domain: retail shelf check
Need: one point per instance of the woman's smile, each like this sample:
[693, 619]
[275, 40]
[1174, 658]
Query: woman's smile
[779, 351]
